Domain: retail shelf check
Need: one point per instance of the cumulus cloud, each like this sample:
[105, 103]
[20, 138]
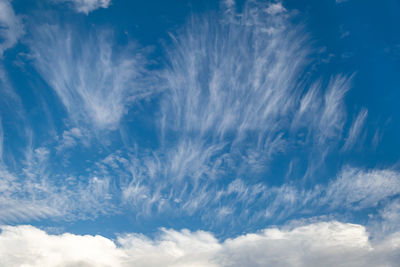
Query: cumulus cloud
[86, 6]
[11, 27]
[26, 245]
[94, 79]
[320, 244]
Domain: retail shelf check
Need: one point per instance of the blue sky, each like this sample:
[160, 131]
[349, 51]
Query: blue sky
[204, 133]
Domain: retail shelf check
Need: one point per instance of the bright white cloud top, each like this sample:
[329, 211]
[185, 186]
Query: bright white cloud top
[254, 124]
[320, 244]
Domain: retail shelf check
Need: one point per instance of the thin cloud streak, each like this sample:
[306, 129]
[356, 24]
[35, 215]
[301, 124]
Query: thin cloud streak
[356, 129]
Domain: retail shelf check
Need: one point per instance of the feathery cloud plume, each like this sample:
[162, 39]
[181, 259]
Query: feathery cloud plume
[94, 79]
[355, 129]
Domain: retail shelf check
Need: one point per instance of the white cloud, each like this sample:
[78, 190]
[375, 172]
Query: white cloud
[94, 79]
[353, 190]
[333, 113]
[275, 8]
[212, 66]
[355, 129]
[186, 187]
[236, 90]
[32, 193]
[387, 220]
[1, 142]
[29, 246]
[358, 189]
[86, 6]
[11, 27]
[70, 138]
[320, 244]
[229, 107]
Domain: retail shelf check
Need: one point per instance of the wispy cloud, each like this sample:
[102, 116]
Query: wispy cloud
[235, 99]
[355, 129]
[94, 79]
[32, 193]
[11, 26]
[70, 138]
[220, 85]
[333, 115]
[237, 94]
[357, 189]
[275, 8]
[238, 81]
[1, 141]
[86, 6]
[320, 244]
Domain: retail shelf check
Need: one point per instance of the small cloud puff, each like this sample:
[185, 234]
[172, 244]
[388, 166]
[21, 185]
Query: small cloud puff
[275, 8]
[86, 6]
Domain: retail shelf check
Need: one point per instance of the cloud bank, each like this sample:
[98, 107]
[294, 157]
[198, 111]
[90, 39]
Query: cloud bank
[320, 244]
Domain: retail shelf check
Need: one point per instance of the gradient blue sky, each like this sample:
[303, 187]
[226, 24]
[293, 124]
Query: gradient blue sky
[204, 124]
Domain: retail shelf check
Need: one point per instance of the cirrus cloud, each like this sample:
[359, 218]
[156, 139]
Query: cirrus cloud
[86, 6]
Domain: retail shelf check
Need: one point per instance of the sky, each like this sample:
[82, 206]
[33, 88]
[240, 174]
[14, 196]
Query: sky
[199, 133]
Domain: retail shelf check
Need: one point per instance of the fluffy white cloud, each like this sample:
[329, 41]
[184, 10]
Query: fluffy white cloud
[320, 244]
[29, 246]
[87, 6]
[11, 27]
